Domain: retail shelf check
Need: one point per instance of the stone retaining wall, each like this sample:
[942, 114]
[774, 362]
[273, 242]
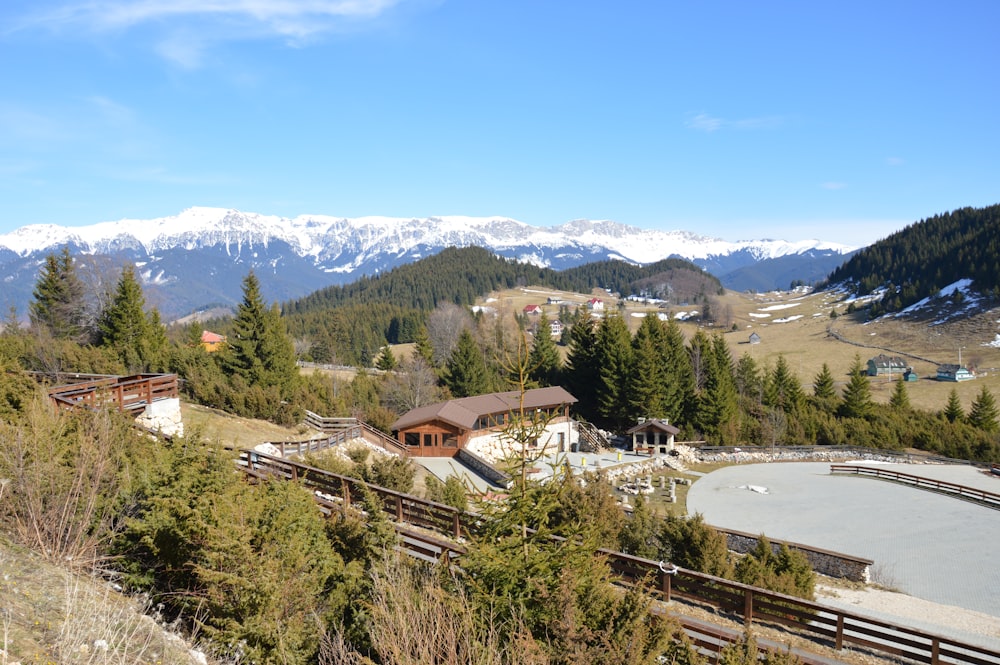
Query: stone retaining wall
[484, 468]
[824, 562]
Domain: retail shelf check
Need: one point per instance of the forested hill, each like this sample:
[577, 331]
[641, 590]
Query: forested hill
[350, 323]
[461, 276]
[928, 255]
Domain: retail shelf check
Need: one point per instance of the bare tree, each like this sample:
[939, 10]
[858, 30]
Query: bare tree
[413, 384]
[444, 325]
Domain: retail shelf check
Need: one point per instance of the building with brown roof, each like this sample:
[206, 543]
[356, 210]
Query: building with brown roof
[442, 429]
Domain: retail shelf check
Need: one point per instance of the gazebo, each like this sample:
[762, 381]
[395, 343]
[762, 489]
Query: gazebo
[654, 436]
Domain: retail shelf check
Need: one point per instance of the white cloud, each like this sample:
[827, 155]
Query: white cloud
[707, 123]
[189, 27]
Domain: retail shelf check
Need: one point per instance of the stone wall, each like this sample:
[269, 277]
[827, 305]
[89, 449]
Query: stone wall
[484, 468]
[824, 562]
[495, 447]
[163, 416]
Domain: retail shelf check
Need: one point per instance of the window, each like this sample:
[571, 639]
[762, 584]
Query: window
[412, 439]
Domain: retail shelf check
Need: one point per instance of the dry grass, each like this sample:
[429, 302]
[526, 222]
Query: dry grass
[806, 342]
[49, 615]
[224, 428]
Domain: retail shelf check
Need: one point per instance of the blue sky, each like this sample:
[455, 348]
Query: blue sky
[840, 120]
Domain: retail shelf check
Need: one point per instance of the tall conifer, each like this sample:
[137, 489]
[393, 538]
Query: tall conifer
[259, 350]
[58, 298]
[983, 413]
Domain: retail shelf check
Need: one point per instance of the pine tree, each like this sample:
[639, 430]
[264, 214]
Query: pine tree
[718, 405]
[386, 361]
[900, 399]
[983, 413]
[422, 344]
[783, 389]
[58, 303]
[465, 372]
[953, 409]
[125, 327]
[259, 350]
[648, 385]
[613, 357]
[544, 361]
[857, 399]
[823, 385]
[680, 394]
[581, 366]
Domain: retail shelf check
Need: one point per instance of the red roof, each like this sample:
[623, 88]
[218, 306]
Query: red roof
[211, 337]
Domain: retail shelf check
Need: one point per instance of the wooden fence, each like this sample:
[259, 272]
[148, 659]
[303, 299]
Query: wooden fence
[983, 497]
[825, 625]
[126, 393]
[358, 428]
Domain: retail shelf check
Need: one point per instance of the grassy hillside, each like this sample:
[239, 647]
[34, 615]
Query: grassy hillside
[798, 326]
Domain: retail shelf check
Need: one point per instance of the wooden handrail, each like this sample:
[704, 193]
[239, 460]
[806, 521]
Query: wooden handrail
[125, 392]
[824, 624]
[990, 499]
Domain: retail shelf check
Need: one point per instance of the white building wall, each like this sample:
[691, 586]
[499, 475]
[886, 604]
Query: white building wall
[494, 446]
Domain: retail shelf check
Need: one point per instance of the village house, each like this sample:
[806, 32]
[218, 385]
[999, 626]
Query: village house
[532, 309]
[478, 423]
[882, 364]
[211, 341]
[754, 338]
[595, 305]
[954, 373]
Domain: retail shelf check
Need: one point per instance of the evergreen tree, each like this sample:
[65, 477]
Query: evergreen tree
[259, 350]
[465, 372]
[613, 357]
[544, 361]
[58, 303]
[900, 399]
[783, 389]
[648, 383]
[953, 409]
[983, 413]
[581, 367]
[857, 398]
[718, 406]
[422, 344]
[136, 338]
[386, 361]
[680, 395]
[823, 385]
[749, 380]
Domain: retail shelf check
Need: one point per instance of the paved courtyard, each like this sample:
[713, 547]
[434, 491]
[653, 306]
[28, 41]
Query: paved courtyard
[939, 548]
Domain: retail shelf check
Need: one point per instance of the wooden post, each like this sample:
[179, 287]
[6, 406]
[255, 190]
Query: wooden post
[399, 508]
[748, 606]
[456, 530]
[347, 494]
[665, 585]
[839, 643]
[935, 651]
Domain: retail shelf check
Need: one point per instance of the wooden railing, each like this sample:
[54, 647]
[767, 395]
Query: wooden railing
[358, 428]
[822, 624]
[333, 490]
[126, 393]
[983, 497]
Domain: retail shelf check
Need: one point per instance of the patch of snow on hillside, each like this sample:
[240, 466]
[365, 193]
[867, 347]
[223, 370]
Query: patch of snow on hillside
[771, 308]
[755, 315]
[788, 319]
[684, 316]
[995, 343]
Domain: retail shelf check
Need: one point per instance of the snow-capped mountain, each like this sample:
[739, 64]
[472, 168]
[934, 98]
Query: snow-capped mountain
[199, 257]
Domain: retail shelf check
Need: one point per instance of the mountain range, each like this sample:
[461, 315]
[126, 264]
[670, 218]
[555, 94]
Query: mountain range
[198, 258]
